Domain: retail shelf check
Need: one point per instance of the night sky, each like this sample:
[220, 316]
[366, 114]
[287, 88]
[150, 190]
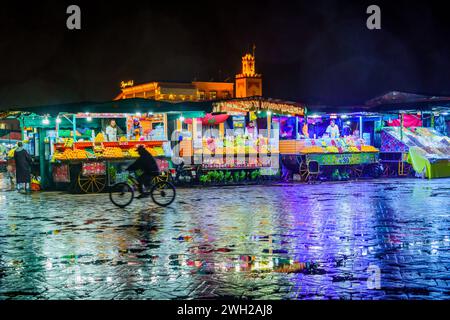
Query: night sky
[316, 52]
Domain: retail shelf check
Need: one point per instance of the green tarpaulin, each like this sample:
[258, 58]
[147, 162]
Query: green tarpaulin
[120, 106]
[431, 169]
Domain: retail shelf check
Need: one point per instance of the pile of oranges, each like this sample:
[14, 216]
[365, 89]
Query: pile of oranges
[70, 154]
[112, 153]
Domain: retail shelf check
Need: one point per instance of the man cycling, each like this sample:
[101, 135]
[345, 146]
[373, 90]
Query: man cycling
[145, 168]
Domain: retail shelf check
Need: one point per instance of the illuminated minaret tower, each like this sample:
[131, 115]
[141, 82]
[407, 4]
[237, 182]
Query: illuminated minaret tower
[248, 82]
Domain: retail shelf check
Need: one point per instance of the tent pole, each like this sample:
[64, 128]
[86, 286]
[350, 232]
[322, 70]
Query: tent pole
[401, 126]
[57, 128]
[74, 125]
[360, 127]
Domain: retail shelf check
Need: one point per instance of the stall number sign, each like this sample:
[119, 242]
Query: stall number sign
[94, 168]
[61, 173]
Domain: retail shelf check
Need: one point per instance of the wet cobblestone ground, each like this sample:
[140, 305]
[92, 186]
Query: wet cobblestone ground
[268, 242]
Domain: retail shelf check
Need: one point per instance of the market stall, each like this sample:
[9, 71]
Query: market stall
[83, 149]
[423, 150]
[413, 138]
[239, 141]
[332, 146]
[337, 158]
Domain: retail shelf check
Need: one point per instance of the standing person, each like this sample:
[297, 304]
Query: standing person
[23, 166]
[112, 131]
[333, 130]
[137, 129]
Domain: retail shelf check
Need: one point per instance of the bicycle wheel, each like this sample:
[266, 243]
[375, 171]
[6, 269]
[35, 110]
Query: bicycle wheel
[121, 194]
[163, 193]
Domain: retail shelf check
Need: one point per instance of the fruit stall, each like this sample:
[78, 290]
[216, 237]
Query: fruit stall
[73, 151]
[89, 167]
[350, 155]
[338, 158]
[239, 141]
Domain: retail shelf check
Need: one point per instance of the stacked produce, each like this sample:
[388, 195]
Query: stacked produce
[369, 149]
[99, 138]
[341, 145]
[353, 149]
[156, 151]
[112, 152]
[68, 142]
[332, 149]
[70, 154]
[132, 153]
[100, 150]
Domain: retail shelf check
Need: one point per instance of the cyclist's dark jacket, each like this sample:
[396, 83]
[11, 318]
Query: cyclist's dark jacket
[145, 163]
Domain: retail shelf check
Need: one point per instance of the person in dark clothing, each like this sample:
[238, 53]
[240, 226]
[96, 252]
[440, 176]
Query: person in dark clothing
[145, 168]
[23, 166]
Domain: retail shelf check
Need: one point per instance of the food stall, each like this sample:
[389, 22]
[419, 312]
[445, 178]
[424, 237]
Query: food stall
[347, 154]
[414, 134]
[239, 141]
[406, 150]
[74, 151]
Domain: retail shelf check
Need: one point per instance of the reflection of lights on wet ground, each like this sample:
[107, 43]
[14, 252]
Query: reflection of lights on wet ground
[382, 230]
[48, 265]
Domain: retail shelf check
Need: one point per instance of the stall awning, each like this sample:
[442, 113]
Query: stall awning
[118, 106]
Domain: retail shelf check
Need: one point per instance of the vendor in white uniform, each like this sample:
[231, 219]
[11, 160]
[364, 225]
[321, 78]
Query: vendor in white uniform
[112, 131]
[333, 130]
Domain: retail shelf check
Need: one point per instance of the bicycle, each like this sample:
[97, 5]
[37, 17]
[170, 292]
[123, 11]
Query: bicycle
[122, 194]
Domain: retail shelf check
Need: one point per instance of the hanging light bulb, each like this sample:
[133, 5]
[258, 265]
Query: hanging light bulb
[181, 118]
[89, 118]
[46, 121]
[58, 120]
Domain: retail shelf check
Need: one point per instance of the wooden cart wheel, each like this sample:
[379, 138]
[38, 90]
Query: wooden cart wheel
[91, 184]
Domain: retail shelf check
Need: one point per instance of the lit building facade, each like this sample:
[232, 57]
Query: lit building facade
[247, 84]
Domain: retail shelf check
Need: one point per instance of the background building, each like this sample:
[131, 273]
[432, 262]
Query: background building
[247, 84]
